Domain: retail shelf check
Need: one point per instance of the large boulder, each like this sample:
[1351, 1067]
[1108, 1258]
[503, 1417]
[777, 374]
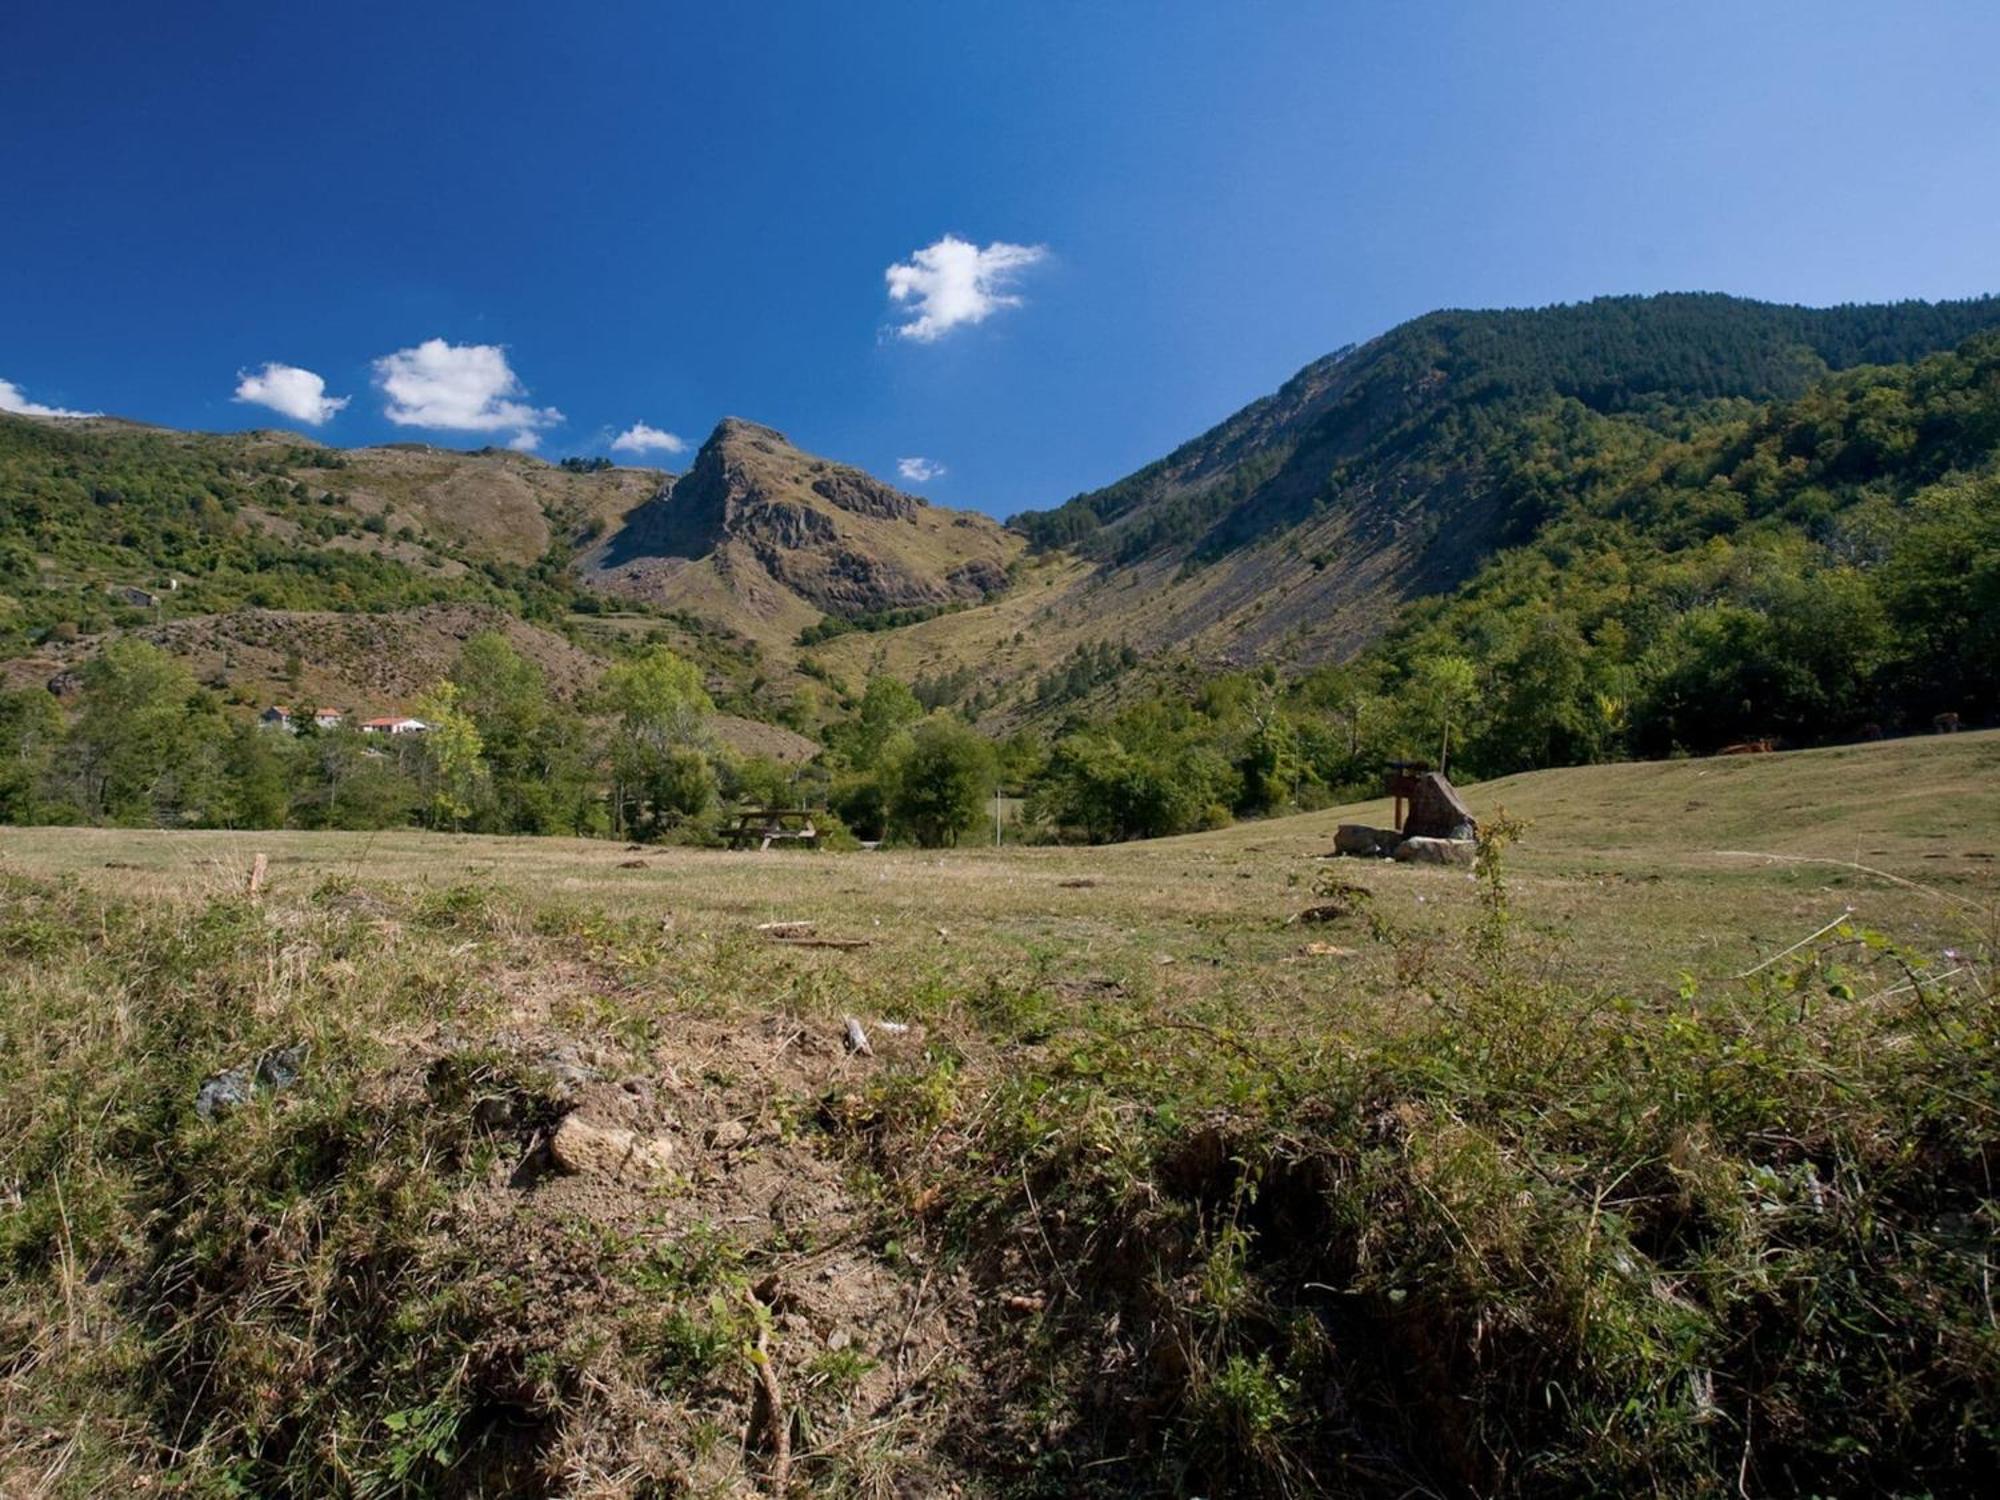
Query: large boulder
[1423, 851]
[1360, 839]
[1437, 811]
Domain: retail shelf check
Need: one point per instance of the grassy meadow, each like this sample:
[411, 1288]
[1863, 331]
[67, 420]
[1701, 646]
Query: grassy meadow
[1650, 1157]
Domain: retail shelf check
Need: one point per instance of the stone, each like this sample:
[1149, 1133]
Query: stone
[583, 1147]
[1422, 851]
[727, 1135]
[1437, 811]
[223, 1092]
[1360, 839]
[233, 1087]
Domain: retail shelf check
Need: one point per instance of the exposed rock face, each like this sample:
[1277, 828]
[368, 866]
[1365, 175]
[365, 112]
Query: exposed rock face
[839, 539]
[850, 489]
[982, 575]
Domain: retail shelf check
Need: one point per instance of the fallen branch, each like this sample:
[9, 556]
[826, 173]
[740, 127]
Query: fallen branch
[769, 1405]
[1812, 937]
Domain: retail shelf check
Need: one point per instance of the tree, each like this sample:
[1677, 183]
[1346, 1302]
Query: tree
[661, 708]
[685, 783]
[1443, 691]
[134, 743]
[533, 755]
[350, 782]
[939, 786]
[257, 767]
[887, 708]
[449, 754]
[31, 731]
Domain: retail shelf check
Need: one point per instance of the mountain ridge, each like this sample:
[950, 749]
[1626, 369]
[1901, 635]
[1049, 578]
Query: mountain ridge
[797, 537]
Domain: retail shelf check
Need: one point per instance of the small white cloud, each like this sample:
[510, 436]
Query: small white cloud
[525, 442]
[296, 393]
[11, 399]
[919, 470]
[639, 438]
[954, 282]
[459, 388]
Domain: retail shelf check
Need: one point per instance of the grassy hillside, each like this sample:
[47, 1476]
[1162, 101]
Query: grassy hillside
[1499, 1187]
[211, 523]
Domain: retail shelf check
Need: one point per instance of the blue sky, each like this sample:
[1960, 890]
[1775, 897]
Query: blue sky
[660, 214]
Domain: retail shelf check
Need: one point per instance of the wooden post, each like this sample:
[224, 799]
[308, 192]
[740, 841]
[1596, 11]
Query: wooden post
[257, 868]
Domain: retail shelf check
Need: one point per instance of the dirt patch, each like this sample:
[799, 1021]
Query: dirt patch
[750, 1233]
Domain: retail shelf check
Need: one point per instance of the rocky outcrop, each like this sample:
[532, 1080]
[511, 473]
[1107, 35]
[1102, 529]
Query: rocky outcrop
[842, 541]
[864, 495]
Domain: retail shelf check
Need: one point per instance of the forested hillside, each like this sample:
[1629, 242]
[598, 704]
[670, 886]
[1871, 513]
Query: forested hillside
[1434, 403]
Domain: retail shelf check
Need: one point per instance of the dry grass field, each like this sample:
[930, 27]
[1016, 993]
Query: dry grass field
[1642, 871]
[1657, 1163]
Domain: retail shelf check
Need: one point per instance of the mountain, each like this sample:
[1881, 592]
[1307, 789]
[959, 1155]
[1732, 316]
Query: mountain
[1390, 471]
[1352, 511]
[773, 541]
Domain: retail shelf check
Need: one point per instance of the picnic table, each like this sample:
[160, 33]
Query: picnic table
[765, 826]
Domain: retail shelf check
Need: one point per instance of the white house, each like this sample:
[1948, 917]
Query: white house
[394, 724]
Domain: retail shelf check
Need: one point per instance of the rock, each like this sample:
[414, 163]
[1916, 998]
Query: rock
[582, 1147]
[224, 1091]
[1436, 809]
[1360, 839]
[281, 1069]
[727, 1135]
[1422, 851]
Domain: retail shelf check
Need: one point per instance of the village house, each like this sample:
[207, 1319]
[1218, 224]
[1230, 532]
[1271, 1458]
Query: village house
[126, 593]
[393, 724]
[277, 716]
[328, 718]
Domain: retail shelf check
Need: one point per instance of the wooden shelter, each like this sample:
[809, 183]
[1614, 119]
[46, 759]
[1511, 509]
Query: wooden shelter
[765, 826]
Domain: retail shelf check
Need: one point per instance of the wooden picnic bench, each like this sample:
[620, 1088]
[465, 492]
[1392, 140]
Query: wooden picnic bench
[765, 826]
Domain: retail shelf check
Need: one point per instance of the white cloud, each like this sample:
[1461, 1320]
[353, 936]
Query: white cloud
[919, 470]
[298, 394]
[12, 399]
[459, 388]
[639, 438]
[525, 442]
[954, 282]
